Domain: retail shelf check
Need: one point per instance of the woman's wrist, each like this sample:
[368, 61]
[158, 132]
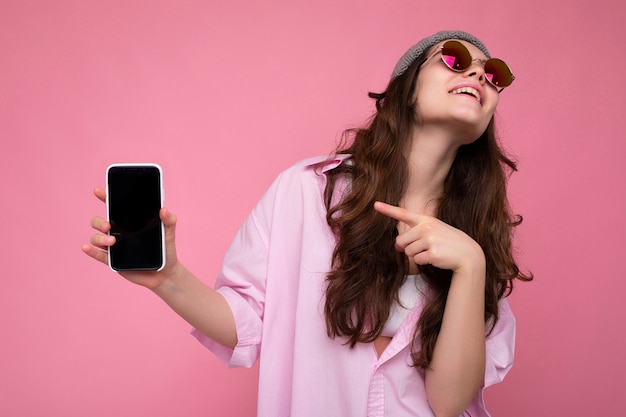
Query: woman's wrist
[474, 265]
[170, 282]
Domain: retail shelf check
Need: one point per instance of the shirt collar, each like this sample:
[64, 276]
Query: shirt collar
[326, 163]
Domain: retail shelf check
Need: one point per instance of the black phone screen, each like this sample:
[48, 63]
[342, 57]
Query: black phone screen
[134, 201]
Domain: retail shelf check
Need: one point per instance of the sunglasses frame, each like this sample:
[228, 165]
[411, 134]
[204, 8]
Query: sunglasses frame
[483, 62]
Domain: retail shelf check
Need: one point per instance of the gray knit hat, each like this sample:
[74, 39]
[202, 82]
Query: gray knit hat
[418, 49]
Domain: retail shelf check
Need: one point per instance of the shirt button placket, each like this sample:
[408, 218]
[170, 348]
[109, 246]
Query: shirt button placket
[376, 394]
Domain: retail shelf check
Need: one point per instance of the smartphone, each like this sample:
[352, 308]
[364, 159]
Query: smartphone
[134, 197]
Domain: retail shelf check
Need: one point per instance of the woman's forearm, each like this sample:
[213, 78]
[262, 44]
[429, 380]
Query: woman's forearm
[456, 372]
[201, 306]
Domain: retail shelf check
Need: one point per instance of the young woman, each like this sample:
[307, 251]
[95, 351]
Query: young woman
[372, 282]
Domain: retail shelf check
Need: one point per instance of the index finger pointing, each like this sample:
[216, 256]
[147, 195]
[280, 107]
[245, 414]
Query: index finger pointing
[398, 213]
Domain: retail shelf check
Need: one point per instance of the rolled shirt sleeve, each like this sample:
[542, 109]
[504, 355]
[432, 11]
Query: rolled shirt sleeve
[500, 350]
[242, 282]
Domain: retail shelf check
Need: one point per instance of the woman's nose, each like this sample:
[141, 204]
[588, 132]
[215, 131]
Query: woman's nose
[476, 70]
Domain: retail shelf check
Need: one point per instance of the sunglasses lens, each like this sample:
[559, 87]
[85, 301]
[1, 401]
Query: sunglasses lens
[456, 56]
[498, 73]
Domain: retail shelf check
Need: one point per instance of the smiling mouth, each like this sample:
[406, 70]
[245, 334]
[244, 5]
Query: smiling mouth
[467, 91]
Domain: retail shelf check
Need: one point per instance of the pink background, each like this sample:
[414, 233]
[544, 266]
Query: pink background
[224, 95]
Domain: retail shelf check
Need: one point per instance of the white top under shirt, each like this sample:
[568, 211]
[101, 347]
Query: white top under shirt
[410, 292]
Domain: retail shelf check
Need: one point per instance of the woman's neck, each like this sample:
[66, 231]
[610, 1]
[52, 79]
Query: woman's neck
[430, 158]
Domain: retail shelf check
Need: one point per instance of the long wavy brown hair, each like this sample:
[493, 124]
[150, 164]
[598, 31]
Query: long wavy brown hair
[367, 271]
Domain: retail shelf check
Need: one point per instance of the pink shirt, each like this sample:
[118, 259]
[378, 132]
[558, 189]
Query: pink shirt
[273, 278]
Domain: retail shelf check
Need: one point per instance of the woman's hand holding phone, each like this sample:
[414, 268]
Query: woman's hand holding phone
[101, 242]
[202, 307]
